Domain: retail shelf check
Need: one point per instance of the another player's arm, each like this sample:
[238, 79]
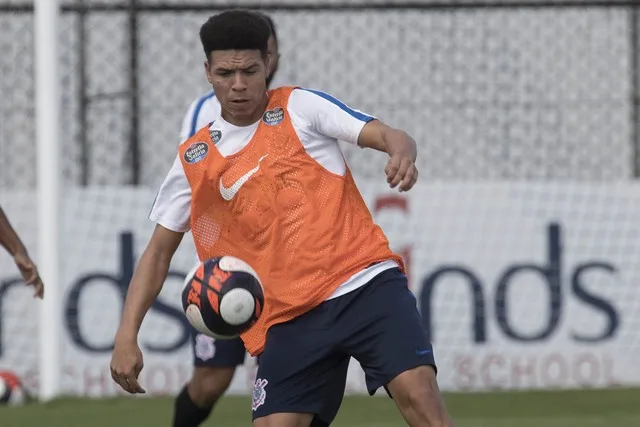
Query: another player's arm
[400, 147]
[10, 240]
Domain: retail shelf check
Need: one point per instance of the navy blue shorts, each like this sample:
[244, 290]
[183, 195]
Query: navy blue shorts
[303, 366]
[209, 352]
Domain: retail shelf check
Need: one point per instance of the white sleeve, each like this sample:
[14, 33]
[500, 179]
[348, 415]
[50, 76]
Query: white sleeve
[187, 122]
[200, 113]
[327, 115]
[172, 206]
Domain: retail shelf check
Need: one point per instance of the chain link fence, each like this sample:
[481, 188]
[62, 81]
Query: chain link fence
[490, 90]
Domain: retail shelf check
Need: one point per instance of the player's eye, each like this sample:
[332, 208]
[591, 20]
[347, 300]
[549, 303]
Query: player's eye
[224, 73]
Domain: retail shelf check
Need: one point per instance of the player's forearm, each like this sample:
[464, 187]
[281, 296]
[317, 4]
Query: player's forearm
[145, 286]
[381, 137]
[397, 142]
[9, 238]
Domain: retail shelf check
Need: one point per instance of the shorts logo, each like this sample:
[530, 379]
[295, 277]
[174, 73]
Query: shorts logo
[259, 393]
[422, 351]
[273, 117]
[205, 348]
[196, 152]
[216, 136]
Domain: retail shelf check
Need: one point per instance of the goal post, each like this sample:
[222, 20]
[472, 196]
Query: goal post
[46, 21]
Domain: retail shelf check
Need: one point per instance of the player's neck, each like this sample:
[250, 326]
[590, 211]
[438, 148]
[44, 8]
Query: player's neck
[247, 120]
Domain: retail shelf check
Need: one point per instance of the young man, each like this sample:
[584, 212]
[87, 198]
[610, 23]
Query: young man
[10, 240]
[266, 182]
[215, 361]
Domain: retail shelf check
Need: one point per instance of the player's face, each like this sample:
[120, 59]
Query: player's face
[238, 78]
[274, 55]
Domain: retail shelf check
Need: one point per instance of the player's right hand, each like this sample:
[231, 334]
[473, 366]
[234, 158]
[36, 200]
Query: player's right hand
[126, 364]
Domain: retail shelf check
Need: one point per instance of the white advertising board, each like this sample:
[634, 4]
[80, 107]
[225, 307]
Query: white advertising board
[520, 285]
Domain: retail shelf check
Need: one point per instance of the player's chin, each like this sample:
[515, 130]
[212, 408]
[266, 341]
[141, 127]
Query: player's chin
[242, 110]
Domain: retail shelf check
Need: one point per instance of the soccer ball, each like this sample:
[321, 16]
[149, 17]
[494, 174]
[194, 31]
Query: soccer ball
[222, 297]
[11, 391]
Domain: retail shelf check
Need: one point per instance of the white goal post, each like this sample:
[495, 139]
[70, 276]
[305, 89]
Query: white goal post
[46, 20]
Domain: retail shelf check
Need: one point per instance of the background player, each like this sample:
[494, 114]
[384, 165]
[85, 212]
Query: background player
[215, 361]
[10, 240]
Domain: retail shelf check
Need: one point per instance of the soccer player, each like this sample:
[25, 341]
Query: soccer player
[215, 361]
[10, 240]
[267, 182]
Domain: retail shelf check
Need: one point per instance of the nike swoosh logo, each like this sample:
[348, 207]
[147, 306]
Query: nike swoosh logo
[228, 193]
[422, 352]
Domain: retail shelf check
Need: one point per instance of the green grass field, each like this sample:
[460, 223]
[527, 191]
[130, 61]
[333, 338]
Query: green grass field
[608, 408]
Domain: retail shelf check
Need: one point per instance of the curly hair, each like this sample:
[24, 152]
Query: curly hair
[236, 29]
[272, 25]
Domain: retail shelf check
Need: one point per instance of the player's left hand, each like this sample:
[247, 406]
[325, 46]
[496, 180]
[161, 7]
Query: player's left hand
[29, 273]
[401, 170]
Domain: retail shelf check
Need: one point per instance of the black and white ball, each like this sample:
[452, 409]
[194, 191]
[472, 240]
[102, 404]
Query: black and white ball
[222, 297]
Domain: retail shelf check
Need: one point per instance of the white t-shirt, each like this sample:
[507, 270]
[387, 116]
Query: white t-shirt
[319, 121]
[201, 112]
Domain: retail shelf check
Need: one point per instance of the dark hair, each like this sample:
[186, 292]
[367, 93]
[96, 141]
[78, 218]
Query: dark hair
[235, 30]
[272, 25]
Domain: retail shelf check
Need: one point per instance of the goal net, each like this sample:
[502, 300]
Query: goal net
[521, 236]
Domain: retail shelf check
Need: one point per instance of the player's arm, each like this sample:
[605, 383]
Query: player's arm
[10, 240]
[329, 116]
[171, 211]
[400, 147]
[147, 280]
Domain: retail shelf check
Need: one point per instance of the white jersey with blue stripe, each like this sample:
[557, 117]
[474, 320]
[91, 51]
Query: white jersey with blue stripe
[319, 120]
[201, 112]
